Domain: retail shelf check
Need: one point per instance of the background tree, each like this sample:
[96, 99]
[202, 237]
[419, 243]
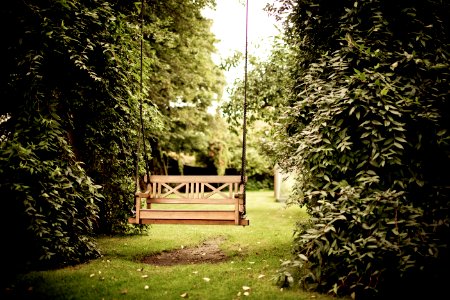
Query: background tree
[366, 129]
[268, 87]
[182, 79]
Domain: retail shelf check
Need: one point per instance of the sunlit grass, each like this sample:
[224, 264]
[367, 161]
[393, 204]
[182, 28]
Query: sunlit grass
[254, 256]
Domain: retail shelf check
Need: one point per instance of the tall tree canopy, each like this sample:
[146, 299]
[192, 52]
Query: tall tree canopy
[182, 78]
[69, 122]
[366, 129]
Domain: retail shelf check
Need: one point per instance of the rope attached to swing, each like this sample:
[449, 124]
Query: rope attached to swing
[244, 125]
[244, 122]
[141, 115]
[147, 166]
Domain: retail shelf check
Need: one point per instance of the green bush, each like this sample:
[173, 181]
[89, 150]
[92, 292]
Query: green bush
[259, 182]
[65, 100]
[367, 129]
[50, 205]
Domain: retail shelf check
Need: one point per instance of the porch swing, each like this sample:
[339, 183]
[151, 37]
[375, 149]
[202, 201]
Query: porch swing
[224, 196]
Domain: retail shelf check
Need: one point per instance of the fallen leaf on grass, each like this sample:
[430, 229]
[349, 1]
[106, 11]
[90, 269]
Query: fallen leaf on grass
[195, 272]
[184, 295]
[92, 275]
[206, 279]
[144, 276]
[146, 287]
[261, 276]
[246, 294]
[246, 288]
[140, 270]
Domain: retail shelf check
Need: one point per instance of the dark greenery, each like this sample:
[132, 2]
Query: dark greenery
[52, 205]
[367, 132]
[259, 182]
[69, 120]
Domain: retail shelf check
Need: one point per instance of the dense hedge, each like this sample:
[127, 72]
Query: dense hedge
[67, 110]
[69, 120]
[367, 132]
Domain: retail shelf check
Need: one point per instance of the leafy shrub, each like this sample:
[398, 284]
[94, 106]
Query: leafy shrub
[367, 131]
[50, 205]
[259, 182]
[65, 97]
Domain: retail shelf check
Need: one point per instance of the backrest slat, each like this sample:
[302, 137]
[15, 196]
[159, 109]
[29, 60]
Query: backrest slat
[194, 178]
[194, 187]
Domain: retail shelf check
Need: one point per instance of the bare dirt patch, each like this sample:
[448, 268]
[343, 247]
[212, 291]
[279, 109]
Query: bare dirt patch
[208, 252]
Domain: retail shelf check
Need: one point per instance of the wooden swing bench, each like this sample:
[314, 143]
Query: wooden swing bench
[224, 192]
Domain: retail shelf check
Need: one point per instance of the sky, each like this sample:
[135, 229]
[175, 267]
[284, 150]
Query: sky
[229, 28]
[229, 25]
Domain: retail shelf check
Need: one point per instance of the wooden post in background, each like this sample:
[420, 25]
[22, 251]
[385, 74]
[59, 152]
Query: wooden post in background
[277, 180]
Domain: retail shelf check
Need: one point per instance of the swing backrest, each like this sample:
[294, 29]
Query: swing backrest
[192, 189]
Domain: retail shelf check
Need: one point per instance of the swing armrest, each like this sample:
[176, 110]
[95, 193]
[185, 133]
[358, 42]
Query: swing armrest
[239, 196]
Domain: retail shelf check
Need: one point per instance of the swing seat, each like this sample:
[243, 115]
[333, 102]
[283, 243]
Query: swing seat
[200, 200]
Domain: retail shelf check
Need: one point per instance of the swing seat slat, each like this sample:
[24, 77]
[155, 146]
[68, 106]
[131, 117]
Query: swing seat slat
[190, 201]
[242, 222]
[187, 214]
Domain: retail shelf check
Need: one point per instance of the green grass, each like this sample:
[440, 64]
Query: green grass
[253, 251]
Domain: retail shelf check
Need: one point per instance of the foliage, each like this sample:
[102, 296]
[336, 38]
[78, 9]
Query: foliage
[267, 89]
[67, 98]
[50, 205]
[101, 105]
[259, 182]
[218, 140]
[182, 80]
[70, 87]
[268, 83]
[366, 131]
[258, 167]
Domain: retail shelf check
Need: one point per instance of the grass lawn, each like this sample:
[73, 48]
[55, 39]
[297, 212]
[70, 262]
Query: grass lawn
[254, 255]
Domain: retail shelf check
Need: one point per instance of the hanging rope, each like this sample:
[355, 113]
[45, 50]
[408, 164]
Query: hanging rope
[136, 163]
[147, 167]
[244, 123]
